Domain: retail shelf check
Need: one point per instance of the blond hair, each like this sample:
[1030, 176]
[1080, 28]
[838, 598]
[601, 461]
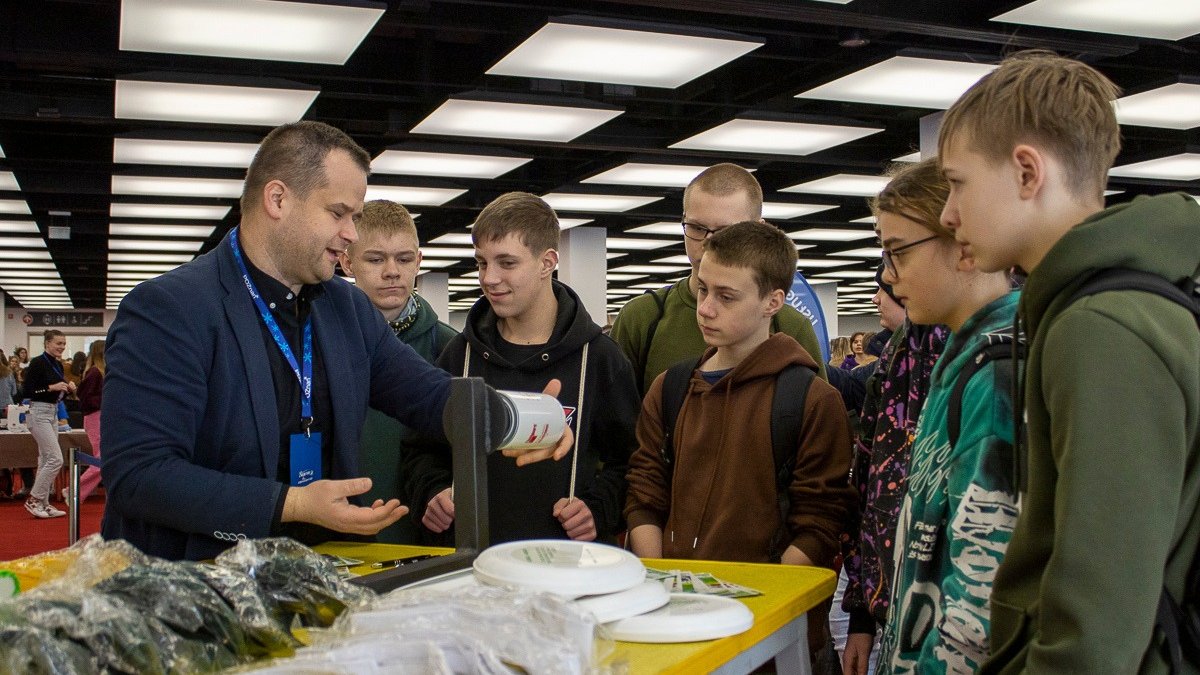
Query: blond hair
[1039, 97]
[759, 246]
[520, 213]
[383, 218]
[95, 357]
[917, 192]
[724, 179]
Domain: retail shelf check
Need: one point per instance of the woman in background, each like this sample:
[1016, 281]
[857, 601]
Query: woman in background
[89, 402]
[839, 348]
[45, 386]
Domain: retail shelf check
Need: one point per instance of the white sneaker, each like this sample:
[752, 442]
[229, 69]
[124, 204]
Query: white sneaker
[42, 509]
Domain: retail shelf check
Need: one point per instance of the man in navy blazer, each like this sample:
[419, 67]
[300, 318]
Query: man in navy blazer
[192, 412]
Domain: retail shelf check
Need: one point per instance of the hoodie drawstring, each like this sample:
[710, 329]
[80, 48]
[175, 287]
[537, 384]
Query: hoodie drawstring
[578, 420]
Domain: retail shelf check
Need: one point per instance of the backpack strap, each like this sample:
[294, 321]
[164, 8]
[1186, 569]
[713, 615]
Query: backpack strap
[1185, 294]
[787, 418]
[1000, 347]
[661, 302]
[674, 390]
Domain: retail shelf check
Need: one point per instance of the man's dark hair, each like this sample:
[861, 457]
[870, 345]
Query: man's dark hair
[295, 154]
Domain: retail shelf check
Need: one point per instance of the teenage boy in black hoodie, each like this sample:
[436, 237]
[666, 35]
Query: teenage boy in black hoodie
[527, 329]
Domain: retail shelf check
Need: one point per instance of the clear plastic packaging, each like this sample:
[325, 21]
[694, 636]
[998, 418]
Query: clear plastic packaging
[295, 581]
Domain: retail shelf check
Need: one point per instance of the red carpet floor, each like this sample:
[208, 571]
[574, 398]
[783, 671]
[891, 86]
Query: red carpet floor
[21, 534]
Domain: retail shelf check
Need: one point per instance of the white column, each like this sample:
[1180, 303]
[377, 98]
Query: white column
[582, 265]
[827, 296]
[435, 288]
[930, 125]
[3, 325]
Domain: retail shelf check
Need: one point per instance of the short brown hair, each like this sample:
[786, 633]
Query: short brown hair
[724, 179]
[385, 218]
[295, 154]
[1039, 97]
[520, 213]
[51, 333]
[917, 192]
[760, 246]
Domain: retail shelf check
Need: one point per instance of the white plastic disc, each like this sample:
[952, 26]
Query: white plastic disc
[646, 596]
[688, 617]
[445, 582]
[563, 567]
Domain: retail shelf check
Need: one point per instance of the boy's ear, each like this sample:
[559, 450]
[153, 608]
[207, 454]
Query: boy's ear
[549, 261]
[1030, 165]
[775, 301]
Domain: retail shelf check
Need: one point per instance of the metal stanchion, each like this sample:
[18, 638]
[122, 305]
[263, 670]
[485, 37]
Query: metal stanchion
[76, 460]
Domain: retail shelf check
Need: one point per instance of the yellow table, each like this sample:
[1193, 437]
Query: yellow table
[780, 621]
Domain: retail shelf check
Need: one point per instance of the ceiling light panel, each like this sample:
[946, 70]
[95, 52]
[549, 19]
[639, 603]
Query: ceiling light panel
[1161, 19]
[662, 227]
[563, 201]
[847, 274]
[649, 269]
[434, 263]
[155, 258]
[414, 163]
[447, 252]
[568, 223]
[785, 211]
[1184, 166]
[852, 185]
[192, 231]
[773, 138]
[651, 175]
[904, 81]
[560, 51]
[35, 265]
[13, 207]
[829, 234]
[864, 219]
[22, 242]
[867, 252]
[26, 254]
[181, 211]
[8, 181]
[413, 196]
[1175, 106]
[182, 153]
[176, 187]
[521, 121]
[154, 245]
[453, 239]
[625, 243]
[674, 260]
[821, 262]
[19, 227]
[306, 32]
[909, 158]
[210, 103]
[140, 267]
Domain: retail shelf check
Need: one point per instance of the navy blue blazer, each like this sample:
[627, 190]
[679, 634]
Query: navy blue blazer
[191, 424]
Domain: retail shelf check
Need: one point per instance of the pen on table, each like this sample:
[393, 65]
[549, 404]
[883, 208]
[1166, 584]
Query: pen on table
[401, 561]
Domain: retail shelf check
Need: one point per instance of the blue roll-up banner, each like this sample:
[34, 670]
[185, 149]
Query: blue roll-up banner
[805, 301]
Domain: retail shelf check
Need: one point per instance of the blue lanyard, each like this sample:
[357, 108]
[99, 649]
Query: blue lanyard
[305, 378]
[54, 366]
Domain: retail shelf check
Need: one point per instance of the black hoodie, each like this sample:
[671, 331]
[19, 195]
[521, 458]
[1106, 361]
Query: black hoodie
[521, 498]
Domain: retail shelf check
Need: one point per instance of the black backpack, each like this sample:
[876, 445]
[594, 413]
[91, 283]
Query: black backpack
[1179, 621]
[787, 417]
[1001, 346]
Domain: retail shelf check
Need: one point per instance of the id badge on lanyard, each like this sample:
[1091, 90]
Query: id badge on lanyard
[304, 449]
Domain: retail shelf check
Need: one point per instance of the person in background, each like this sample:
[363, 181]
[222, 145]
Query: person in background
[90, 392]
[657, 330]
[384, 263]
[18, 371]
[22, 355]
[856, 348]
[839, 349]
[76, 370]
[866, 356]
[45, 386]
[8, 384]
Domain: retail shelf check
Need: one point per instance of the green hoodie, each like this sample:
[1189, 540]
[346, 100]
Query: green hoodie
[379, 447]
[1112, 405]
[958, 513]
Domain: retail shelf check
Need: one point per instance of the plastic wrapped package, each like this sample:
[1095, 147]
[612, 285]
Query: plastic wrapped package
[265, 636]
[173, 594]
[295, 580]
[84, 564]
[35, 651]
[379, 654]
[119, 638]
[537, 633]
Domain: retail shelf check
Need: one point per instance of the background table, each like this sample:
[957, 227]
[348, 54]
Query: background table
[19, 450]
[780, 621]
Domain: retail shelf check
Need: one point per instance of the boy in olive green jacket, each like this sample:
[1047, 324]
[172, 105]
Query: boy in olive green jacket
[1112, 380]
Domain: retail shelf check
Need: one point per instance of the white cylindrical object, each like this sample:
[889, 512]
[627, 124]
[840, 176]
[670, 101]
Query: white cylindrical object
[535, 421]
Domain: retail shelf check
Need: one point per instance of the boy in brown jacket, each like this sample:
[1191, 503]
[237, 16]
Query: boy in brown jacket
[718, 501]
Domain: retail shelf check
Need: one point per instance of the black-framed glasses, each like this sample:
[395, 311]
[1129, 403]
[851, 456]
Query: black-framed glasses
[889, 257]
[697, 232]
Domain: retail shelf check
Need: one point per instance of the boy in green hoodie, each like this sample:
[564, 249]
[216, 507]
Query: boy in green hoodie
[1112, 382]
[384, 263]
